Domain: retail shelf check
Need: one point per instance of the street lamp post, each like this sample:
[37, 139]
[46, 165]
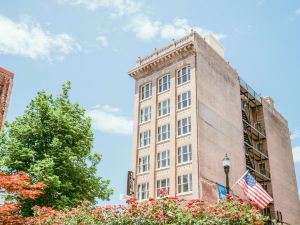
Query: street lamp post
[226, 165]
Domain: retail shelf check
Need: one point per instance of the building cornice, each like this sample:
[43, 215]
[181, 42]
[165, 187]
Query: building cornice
[160, 56]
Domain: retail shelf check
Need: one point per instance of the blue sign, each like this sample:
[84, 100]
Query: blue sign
[222, 191]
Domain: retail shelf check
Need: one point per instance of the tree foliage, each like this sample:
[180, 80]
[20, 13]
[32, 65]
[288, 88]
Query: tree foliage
[17, 188]
[52, 142]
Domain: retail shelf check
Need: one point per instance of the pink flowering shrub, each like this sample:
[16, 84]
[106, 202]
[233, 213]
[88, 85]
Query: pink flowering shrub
[167, 210]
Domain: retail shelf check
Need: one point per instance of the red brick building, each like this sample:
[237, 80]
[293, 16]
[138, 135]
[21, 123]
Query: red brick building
[6, 81]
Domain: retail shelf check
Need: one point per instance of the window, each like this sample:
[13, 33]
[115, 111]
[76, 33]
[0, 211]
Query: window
[144, 164]
[259, 146]
[164, 132]
[185, 183]
[184, 126]
[184, 154]
[146, 114]
[143, 191]
[146, 91]
[262, 168]
[184, 100]
[265, 186]
[164, 107]
[163, 184]
[145, 138]
[164, 83]
[163, 159]
[184, 75]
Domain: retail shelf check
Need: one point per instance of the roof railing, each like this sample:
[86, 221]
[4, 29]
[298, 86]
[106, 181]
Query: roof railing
[250, 90]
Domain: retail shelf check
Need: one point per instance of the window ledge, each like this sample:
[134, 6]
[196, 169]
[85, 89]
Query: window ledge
[182, 84]
[145, 99]
[185, 193]
[146, 122]
[144, 147]
[184, 163]
[162, 92]
[143, 173]
[164, 168]
[161, 142]
[160, 117]
[183, 135]
[179, 110]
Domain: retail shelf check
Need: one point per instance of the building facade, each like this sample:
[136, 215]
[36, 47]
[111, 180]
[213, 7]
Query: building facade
[191, 108]
[6, 82]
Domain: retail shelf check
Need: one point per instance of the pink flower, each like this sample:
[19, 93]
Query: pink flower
[163, 192]
[131, 200]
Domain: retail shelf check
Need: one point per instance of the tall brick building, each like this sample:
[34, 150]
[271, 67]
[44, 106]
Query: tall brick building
[6, 82]
[191, 108]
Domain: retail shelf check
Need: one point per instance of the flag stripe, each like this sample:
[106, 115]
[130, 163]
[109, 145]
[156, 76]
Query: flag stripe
[262, 197]
[254, 191]
[253, 197]
[263, 192]
[253, 194]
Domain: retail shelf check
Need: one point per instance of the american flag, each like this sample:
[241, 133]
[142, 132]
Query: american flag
[254, 191]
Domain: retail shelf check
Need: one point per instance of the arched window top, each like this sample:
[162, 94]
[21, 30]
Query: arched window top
[184, 75]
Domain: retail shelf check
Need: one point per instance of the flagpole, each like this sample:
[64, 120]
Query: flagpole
[239, 179]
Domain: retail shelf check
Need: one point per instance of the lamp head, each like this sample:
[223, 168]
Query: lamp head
[226, 161]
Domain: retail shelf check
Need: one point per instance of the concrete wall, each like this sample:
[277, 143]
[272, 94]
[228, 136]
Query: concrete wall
[219, 117]
[282, 169]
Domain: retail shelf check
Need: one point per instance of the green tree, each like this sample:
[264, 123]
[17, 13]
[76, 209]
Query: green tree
[52, 142]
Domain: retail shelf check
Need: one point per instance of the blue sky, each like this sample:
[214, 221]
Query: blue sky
[94, 43]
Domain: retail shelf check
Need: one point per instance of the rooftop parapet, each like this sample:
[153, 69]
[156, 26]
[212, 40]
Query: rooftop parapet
[169, 48]
[175, 48]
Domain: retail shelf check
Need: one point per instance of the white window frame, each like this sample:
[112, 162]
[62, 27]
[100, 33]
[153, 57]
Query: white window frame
[163, 157]
[184, 152]
[146, 91]
[164, 83]
[143, 164]
[183, 78]
[185, 183]
[163, 132]
[159, 186]
[184, 100]
[145, 138]
[146, 114]
[164, 108]
[184, 123]
[143, 191]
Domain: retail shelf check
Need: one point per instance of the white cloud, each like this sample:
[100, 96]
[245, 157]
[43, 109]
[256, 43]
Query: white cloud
[181, 27]
[120, 7]
[295, 134]
[143, 27]
[296, 153]
[106, 119]
[30, 40]
[102, 40]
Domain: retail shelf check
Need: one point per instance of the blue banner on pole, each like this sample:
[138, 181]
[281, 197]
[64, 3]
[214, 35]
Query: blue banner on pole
[222, 191]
